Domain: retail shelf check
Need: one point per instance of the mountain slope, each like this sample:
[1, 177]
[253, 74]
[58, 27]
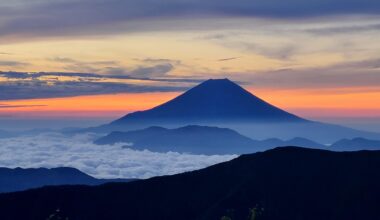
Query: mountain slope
[197, 140]
[223, 103]
[21, 179]
[214, 99]
[192, 139]
[284, 183]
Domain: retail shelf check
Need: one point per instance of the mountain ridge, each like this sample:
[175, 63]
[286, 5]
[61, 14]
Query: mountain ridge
[198, 140]
[18, 179]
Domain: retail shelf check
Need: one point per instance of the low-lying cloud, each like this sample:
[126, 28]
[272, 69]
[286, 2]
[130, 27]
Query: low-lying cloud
[108, 161]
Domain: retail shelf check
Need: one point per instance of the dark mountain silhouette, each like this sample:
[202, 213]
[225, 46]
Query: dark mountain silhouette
[214, 99]
[21, 179]
[198, 140]
[222, 103]
[356, 144]
[297, 141]
[192, 139]
[279, 184]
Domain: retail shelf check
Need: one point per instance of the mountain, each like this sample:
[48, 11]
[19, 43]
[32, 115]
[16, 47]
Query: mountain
[214, 99]
[197, 140]
[21, 179]
[191, 139]
[279, 184]
[223, 103]
[297, 141]
[355, 144]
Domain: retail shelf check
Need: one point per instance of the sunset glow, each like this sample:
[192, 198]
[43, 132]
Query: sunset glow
[312, 67]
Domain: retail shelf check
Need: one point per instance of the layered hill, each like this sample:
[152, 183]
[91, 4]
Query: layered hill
[356, 144]
[21, 179]
[279, 184]
[197, 140]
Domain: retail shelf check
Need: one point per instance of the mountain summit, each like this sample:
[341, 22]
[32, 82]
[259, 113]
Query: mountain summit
[223, 103]
[214, 100]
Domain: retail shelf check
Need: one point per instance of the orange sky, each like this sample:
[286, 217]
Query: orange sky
[274, 55]
[304, 103]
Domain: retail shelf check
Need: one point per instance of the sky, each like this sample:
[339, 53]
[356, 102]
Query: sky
[99, 59]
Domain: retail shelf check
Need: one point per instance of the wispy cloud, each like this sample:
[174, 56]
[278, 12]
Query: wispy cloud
[18, 106]
[28, 89]
[344, 29]
[158, 60]
[11, 63]
[365, 73]
[228, 59]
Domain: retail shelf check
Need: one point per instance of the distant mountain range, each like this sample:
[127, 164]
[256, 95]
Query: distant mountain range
[279, 184]
[356, 144]
[222, 103]
[197, 140]
[21, 179]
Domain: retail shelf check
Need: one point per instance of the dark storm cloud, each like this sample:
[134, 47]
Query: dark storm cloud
[98, 16]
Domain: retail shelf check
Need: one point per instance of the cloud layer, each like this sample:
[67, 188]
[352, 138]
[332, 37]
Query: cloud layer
[97, 16]
[23, 85]
[56, 150]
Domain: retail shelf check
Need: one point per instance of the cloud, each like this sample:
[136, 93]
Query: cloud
[246, 41]
[78, 62]
[10, 63]
[150, 68]
[80, 17]
[228, 59]
[344, 29]
[159, 70]
[365, 73]
[158, 60]
[18, 106]
[28, 85]
[28, 89]
[56, 150]
[15, 75]
[85, 66]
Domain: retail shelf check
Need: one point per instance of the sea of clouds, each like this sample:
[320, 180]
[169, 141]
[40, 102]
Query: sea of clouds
[107, 161]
